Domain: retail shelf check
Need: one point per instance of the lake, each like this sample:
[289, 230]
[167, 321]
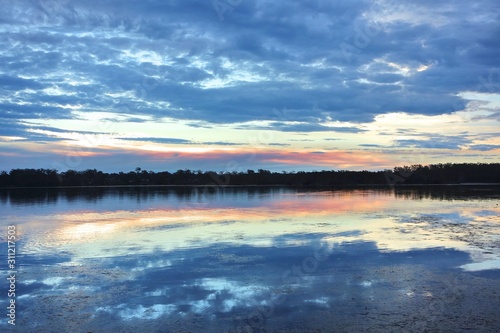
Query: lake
[252, 259]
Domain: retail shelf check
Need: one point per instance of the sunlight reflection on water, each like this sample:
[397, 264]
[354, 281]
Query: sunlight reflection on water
[160, 255]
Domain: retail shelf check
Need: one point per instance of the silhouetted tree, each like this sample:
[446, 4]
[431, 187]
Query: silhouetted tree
[415, 174]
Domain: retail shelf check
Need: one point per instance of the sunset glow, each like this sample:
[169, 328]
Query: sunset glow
[170, 85]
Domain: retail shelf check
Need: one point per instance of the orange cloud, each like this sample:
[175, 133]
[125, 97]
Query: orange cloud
[329, 159]
[213, 158]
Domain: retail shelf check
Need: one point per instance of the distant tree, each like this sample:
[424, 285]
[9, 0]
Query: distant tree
[414, 174]
[4, 179]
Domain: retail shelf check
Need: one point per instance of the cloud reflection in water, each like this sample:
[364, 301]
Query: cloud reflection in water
[207, 260]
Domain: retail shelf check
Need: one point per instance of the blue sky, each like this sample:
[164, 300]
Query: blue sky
[231, 85]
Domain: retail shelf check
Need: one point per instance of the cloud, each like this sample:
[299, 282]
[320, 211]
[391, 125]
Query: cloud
[279, 144]
[221, 143]
[294, 68]
[310, 127]
[160, 140]
[369, 145]
[492, 116]
[433, 143]
[261, 56]
[17, 83]
[484, 147]
[180, 141]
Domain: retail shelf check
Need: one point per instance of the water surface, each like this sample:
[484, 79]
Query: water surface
[255, 259]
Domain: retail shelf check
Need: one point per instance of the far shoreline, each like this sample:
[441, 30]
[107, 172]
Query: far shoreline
[344, 186]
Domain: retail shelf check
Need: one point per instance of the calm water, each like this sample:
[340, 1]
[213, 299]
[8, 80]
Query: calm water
[254, 260]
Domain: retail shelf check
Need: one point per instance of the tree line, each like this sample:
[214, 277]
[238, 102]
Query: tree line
[458, 173]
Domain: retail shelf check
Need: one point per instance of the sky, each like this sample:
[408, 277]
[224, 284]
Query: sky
[232, 85]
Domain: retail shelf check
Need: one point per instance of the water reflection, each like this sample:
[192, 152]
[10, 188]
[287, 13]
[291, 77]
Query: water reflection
[256, 259]
[44, 196]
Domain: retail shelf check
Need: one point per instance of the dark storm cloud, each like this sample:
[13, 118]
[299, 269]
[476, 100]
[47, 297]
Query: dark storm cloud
[186, 60]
